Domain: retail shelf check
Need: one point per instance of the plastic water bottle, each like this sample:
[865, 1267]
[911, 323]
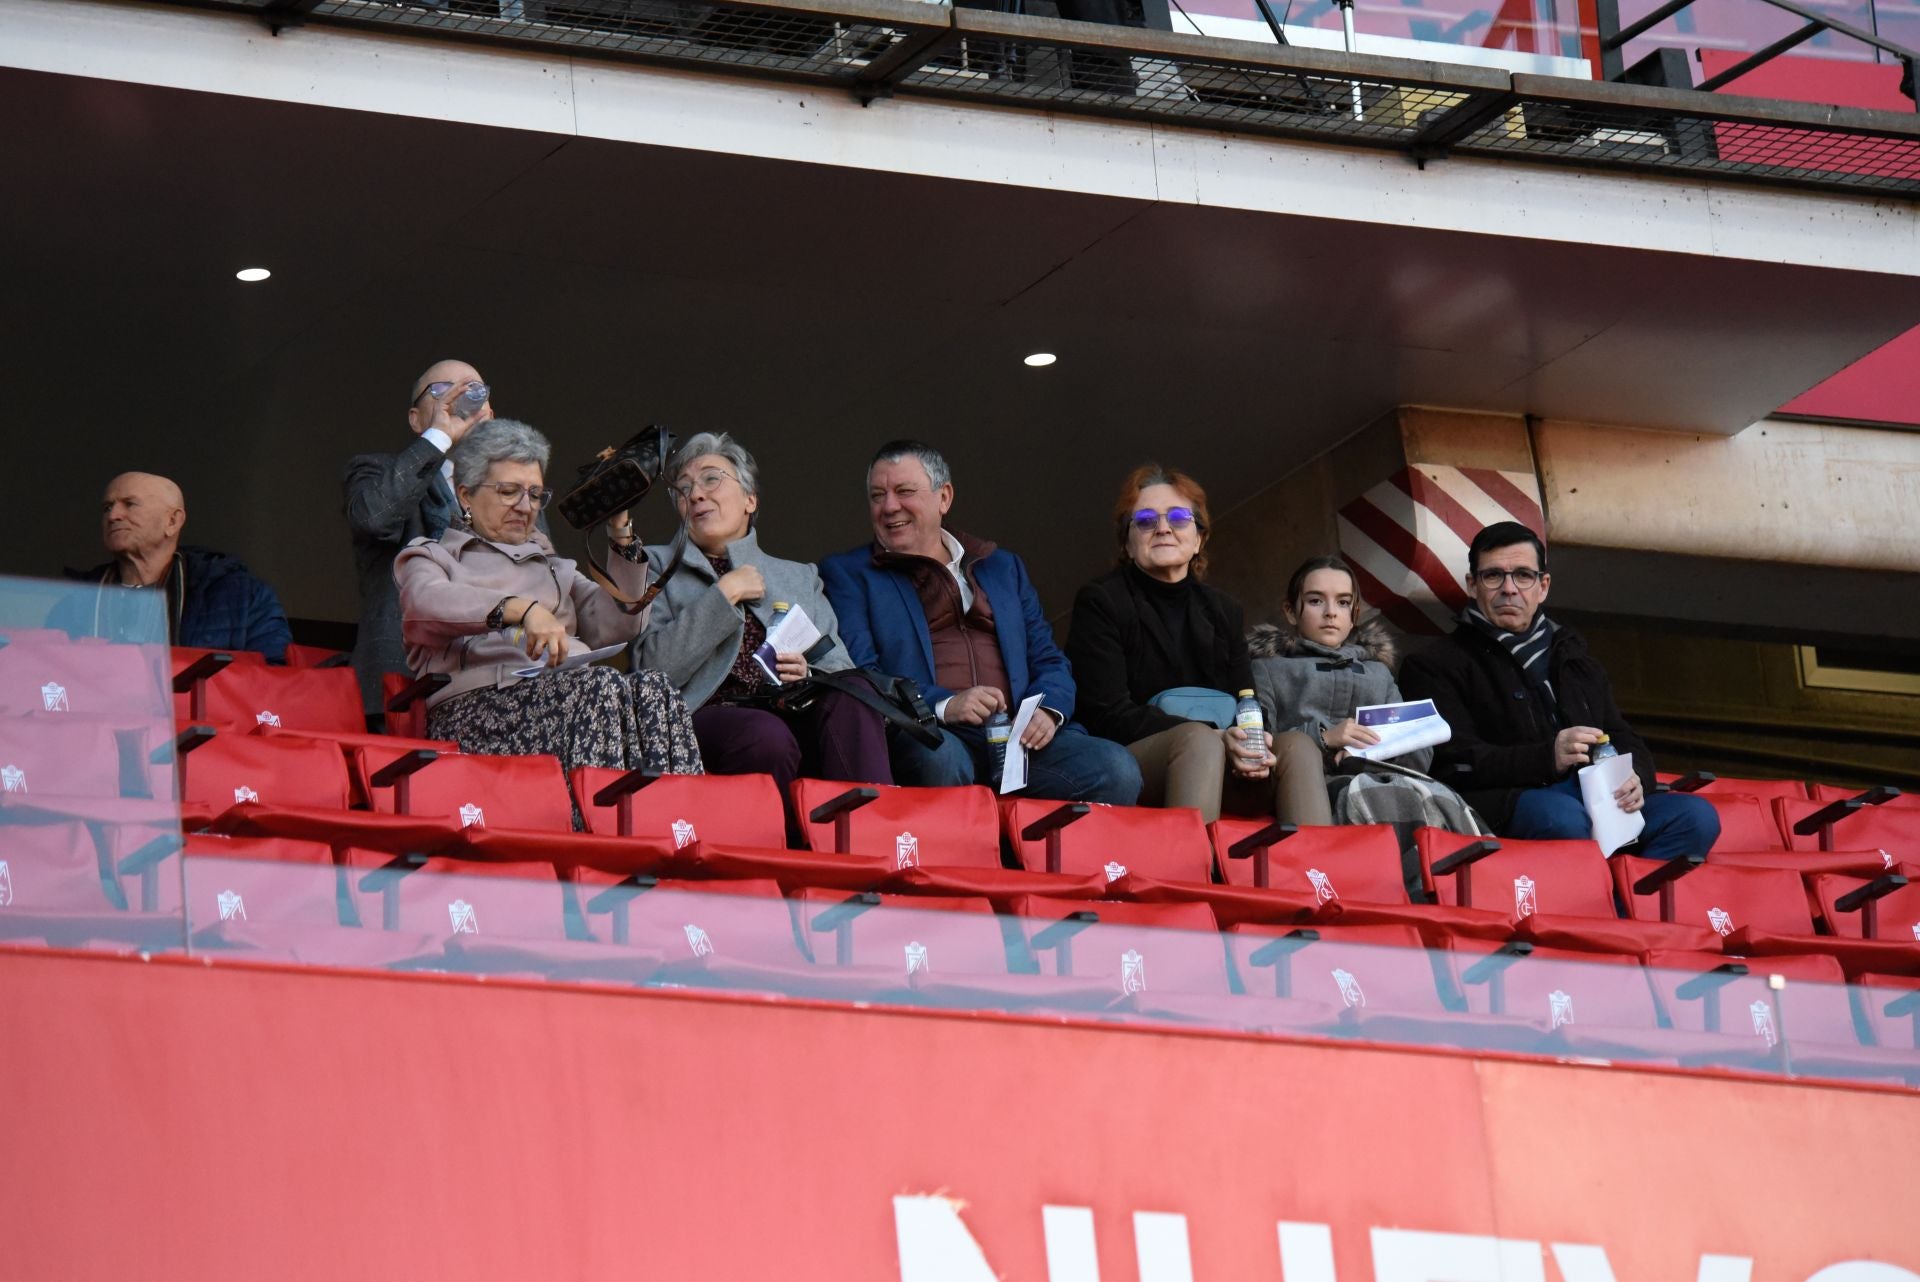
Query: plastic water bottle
[1602, 749]
[1247, 717]
[999, 731]
[764, 656]
[468, 403]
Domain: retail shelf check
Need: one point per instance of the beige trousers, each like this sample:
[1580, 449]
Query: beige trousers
[1187, 766]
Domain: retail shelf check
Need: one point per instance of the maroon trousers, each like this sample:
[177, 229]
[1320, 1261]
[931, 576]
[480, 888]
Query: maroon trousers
[836, 737]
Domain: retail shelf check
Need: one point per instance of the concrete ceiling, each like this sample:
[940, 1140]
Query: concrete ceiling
[812, 311]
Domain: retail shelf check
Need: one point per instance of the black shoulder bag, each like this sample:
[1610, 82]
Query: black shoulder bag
[613, 481]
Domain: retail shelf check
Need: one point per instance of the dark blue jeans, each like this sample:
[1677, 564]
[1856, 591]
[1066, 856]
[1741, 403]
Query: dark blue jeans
[1678, 823]
[1074, 766]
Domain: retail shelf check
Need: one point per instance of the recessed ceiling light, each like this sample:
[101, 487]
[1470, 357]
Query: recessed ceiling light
[252, 274]
[1041, 359]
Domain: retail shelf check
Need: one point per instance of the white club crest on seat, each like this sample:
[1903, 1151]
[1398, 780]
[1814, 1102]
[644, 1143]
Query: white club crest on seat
[460, 913]
[1349, 985]
[54, 696]
[12, 779]
[1762, 1012]
[698, 941]
[1721, 920]
[471, 814]
[1115, 870]
[232, 907]
[266, 717]
[917, 958]
[1322, 886]
[683, 834]
[906, 851]
[1133, 972]
[1524, 902]
[6, 884]
[1559, 1008]
[244, 793]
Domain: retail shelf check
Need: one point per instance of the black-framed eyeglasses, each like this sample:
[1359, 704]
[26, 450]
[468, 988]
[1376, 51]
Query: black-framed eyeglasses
[511, 492]
[705, 483]
[1146, 520]
[1523, 578]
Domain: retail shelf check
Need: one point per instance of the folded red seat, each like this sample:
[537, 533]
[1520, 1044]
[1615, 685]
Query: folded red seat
[1796, 1009]
[1149, 855]
[1554, 893]
[1593, 1005]
[1754, 911]
[1871, 820]
[250, 694]
[935, 841]
[718, 826]
[56, 889]
[1886, 906]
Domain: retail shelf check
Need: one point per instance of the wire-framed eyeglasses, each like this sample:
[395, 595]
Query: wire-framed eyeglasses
[511, 492]
[702, 483]
[1146, 520]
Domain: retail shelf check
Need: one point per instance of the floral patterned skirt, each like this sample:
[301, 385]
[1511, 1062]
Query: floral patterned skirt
[592, 716]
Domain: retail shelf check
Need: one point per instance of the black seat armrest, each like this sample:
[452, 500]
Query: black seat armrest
[1048, 826]
[414, 691]
[840, 809]
[1257, 846]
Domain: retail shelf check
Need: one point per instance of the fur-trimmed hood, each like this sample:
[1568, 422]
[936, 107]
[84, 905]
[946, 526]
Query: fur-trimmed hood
[1370, 640]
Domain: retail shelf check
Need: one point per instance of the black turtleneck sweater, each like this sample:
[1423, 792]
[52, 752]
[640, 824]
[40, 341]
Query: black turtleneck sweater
[1133, 636]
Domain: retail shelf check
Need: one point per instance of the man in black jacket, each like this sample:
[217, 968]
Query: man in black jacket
[392, 499]
[1527, 702]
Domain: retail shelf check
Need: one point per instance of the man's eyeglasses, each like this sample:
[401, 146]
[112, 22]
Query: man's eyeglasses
[705, 483]
[1523, 578]
[1146, 520]
[435, 391]
[511, 492]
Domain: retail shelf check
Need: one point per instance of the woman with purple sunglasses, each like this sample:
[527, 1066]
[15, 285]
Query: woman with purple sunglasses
[1152, 627]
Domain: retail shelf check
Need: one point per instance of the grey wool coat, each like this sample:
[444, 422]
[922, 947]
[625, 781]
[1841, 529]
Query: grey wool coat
[1304, 686]
[694, 634]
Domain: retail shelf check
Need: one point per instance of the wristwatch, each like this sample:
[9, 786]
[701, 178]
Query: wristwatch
[497, 617]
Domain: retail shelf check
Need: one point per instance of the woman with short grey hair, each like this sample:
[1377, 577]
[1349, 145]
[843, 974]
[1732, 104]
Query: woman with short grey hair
[490, 601]
[713, 618]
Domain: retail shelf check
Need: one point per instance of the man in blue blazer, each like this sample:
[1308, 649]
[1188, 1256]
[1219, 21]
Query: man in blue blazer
[960, 617]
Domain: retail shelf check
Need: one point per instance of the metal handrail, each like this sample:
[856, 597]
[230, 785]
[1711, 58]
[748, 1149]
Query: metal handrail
[1614, 39]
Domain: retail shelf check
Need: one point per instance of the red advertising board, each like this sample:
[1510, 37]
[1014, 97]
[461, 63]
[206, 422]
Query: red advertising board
[175, 1120]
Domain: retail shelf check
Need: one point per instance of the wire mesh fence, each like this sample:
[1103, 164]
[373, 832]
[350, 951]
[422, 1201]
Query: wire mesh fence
[882, 47]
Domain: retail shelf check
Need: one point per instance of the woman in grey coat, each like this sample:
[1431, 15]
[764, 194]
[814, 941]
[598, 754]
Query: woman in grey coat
[714, 614]
[1312, 675]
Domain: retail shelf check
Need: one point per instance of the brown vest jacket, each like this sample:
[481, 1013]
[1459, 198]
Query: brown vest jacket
[966, 646]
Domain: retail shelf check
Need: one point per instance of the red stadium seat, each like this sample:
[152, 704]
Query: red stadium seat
[1825, 793]
[249, 694]
[1806, 1025]
[1165, 845]
[1133, 948]
[234, 768]
[1891, 1004]
[715, 934]
[1882, 907]
[58, 756]
[1746, 822]
[317, 656]
[1755, 911]
[83, 679]
[431, 900]
[55, 890]
[742, 810]
[381, 749]
[1592, 1003]
[1727, 785]
[904, 941]
[1889, 827]
[1556, 893]
[521, 792]
[917, 827]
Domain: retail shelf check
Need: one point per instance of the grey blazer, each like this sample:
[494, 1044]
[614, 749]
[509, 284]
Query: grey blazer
[391, 500]
[694, 634]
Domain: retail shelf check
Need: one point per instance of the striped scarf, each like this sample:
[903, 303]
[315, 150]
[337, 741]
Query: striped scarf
[1529, 648]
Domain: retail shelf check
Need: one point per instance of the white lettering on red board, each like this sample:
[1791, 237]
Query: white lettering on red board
[936, 1246]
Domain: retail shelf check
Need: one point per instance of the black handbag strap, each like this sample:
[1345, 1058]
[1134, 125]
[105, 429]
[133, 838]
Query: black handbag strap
[860, 684]
[676, 553]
